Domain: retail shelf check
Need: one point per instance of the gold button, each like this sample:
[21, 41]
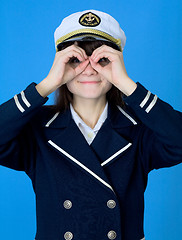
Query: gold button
[112, 234]
[67, 204]
[68, 236]
[111, 204]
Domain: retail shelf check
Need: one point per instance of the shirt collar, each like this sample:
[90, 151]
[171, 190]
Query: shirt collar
[99, 123]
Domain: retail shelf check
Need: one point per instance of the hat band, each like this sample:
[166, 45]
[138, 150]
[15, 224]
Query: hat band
[117, 41]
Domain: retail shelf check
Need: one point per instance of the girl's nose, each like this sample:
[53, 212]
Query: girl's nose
[89, 70]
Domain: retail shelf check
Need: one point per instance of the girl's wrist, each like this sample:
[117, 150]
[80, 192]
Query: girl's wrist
[127, 86]
[45, 87]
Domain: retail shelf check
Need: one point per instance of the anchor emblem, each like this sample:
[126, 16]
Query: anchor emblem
[89, 19]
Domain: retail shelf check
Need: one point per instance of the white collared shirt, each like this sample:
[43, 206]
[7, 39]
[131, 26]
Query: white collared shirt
[87, 131]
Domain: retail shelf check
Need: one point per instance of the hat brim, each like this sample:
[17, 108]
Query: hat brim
[88, 35]
[87, 38]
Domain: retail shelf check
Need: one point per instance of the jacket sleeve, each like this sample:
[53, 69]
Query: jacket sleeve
[161, 143]
[17, 143]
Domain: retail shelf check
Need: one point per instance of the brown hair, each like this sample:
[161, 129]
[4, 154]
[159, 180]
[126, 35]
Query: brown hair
[64, 97]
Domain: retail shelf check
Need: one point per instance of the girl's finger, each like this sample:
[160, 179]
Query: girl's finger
[81, 67]
[102, 49]
[108, 55]
[73, 53]
[96, 66]
[83, 51]
[79, 49]
[70, 50]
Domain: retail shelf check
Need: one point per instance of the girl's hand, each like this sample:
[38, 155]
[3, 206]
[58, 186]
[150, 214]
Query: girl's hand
[64, 69]
[109, 63]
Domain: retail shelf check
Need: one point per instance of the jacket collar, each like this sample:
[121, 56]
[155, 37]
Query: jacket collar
[118, 117]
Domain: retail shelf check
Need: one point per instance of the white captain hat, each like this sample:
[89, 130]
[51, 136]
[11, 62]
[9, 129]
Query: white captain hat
[90, 25]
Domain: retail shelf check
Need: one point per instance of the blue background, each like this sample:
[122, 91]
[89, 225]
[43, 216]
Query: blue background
[153, 56]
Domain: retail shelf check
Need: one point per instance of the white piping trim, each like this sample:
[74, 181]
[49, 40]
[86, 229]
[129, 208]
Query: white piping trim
[116, 154]
[151, 105]
[142, 104]
[25, 99]
[19, 106]
[52, 119]
[80, 164]
[126, 115]
[143, 238]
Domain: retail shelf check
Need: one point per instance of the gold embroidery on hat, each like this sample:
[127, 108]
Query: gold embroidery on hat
[89, 19]
[96, 32]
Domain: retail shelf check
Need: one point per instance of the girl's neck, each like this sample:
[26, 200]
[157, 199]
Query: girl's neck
[89, 110]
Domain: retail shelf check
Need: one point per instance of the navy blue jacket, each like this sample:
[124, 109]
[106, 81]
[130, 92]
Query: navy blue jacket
[91, 192]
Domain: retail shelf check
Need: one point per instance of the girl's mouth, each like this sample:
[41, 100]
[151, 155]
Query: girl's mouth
[90, 82]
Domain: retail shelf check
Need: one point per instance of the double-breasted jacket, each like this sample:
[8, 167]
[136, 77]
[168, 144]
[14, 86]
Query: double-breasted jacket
[89, 192]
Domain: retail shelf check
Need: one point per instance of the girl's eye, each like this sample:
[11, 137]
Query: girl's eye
[74, 60]
[104, 61]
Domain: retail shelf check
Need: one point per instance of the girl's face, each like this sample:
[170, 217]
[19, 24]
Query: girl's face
[89, 84]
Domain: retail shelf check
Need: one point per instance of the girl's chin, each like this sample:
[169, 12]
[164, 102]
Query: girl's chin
[88, 95]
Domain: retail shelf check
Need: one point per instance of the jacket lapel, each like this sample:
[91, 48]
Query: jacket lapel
[70, 142]
[109, 144]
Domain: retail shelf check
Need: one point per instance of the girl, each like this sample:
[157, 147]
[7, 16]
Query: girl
[89, 155]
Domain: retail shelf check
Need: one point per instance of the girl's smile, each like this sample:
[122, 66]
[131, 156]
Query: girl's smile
[90, 82]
